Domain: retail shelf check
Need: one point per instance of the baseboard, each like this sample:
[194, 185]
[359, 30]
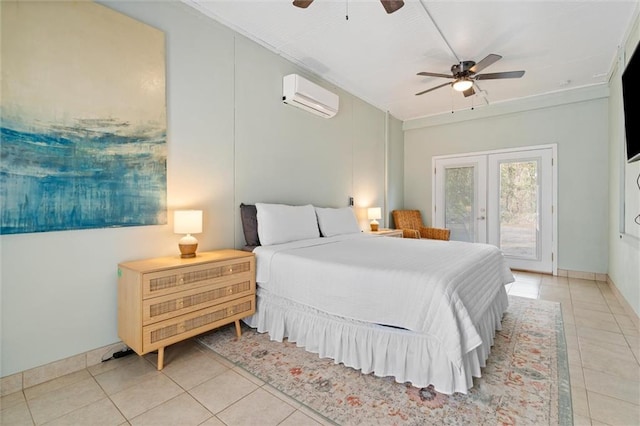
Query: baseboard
[623, 302]
[593, 276]
[28, 378]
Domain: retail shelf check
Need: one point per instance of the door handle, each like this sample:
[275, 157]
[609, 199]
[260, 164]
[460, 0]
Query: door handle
[481, 218]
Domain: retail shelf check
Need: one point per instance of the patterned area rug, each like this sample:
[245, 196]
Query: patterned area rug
[526, 380]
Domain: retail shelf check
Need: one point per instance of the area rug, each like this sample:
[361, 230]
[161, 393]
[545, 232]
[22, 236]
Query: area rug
[525, 382]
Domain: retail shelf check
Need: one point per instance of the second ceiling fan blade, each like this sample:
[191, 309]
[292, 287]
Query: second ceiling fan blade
[433, 88]
[434, 74]
[392, 5]
[497, 75]
[302, 3]
[488, 60]
[469, 92]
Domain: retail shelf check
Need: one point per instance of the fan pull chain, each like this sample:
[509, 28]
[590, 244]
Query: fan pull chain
[347, 10]
[451, 93]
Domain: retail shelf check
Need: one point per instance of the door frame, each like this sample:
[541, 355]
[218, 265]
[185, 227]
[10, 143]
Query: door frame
[554, 187]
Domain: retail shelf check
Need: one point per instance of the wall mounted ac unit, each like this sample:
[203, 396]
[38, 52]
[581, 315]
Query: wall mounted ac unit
[302, 93]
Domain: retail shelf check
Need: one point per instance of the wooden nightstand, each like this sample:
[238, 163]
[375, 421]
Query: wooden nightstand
[165, 300]
[387, 232]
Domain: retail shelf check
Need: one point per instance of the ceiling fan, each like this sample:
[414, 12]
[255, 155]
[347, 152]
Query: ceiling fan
[465, 75]
[389, 5]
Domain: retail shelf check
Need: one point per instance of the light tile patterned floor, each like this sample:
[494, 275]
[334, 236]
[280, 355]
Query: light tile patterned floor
[196, 387]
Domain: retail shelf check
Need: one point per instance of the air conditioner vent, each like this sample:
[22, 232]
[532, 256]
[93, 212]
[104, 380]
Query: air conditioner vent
[304, 94]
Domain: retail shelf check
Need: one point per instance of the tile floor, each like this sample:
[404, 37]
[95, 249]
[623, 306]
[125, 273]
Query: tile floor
[197, 387]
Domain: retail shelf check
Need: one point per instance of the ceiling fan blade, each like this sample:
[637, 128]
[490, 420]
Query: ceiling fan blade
[469, 92]
[433, 88]
[434, 74]
[392, 5]
[497, 75]
[488, 60]
[302, 3]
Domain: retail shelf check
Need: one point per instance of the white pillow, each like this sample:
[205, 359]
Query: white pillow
[280, 223]
[337, 221]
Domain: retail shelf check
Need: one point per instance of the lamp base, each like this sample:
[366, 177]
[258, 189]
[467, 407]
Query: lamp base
[187, 250]
[374, 227]
[188, 245]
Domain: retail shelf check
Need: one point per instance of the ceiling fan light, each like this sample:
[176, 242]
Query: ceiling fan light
[462, 85]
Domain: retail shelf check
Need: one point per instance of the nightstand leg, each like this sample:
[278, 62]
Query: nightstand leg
[160, 358]
[238, 330]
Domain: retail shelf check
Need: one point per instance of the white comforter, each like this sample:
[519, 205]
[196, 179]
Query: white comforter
[437, 288]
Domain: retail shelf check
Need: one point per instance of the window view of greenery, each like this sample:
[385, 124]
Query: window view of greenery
[519, 208]
[459, 207]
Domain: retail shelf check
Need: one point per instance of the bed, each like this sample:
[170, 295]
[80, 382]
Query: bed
[421, 311]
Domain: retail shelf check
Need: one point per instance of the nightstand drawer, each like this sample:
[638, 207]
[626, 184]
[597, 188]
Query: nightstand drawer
[174, 330]
[172, 305]
[179, 279]
[394, 233]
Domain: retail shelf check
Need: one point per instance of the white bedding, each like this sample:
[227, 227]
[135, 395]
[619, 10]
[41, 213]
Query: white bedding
[439, 289]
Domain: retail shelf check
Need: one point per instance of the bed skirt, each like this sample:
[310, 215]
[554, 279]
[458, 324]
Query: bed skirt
[383, 351]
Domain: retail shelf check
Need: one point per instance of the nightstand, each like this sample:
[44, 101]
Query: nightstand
[165, 300]
[397, 233]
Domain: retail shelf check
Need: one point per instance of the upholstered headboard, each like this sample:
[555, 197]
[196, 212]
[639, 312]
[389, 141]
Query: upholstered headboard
[248, 215]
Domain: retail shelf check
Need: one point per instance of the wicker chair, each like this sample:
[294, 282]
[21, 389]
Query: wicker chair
[410, 221]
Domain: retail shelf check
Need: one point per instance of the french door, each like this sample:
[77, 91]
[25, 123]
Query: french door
[461, 203]
[504, 198]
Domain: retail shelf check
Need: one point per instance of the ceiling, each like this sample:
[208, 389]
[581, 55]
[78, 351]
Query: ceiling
[561, 45]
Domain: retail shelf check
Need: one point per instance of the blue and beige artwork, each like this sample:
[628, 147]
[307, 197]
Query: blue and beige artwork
[83, 119]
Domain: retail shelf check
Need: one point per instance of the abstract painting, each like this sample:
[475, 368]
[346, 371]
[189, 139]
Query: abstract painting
[83, 119]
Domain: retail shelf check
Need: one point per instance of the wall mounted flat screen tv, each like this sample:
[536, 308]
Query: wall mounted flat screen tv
[630, 98]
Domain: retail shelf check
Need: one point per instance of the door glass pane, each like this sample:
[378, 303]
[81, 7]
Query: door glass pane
[460, 203]
[519, 209]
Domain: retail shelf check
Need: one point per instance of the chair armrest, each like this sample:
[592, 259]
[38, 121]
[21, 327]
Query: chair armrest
[435, 233]
[410, 233]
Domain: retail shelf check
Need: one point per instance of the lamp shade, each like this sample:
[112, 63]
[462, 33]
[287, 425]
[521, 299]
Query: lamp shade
[374, 213]
[187, 221]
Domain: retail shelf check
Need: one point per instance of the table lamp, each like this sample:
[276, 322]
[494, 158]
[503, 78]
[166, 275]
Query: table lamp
[374, 213]
[187, 222]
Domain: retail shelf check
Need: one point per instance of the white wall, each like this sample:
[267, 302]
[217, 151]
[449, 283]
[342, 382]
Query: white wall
[230, 140]
[624, 248]
[580, 129]
[284, 154]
